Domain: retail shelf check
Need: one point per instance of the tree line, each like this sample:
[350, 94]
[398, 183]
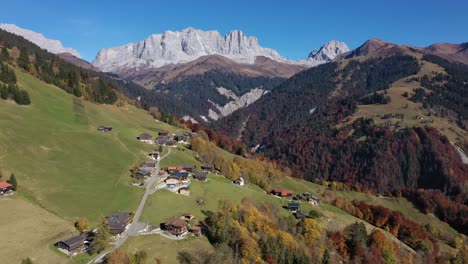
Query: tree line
[9, 89]
[51, 69]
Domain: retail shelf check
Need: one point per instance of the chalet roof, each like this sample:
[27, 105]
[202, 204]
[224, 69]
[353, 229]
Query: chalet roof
[179, 175]
[201, 175]
[176, 222]
[118, 220]
[196, 228]
[207, 166]
[5, 185]
[293, 205]
[184, 189]
[163, 133]
[74, 241]
[144, 136]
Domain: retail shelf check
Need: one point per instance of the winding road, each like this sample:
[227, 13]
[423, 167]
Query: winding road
[132, 229]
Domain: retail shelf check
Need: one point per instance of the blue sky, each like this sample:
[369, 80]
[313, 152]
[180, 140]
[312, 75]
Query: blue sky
[291, 27]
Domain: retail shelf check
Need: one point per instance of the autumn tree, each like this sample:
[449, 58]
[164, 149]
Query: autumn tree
[82, 224]
[118, 256]
[27, 261]
[100, 242]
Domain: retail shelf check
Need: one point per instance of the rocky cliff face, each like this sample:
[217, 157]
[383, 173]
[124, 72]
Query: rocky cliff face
[54, 46]
[328, 52]
[190, 44]
[180, 47]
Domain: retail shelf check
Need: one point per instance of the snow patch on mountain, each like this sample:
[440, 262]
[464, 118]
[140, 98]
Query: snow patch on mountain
[51, 45]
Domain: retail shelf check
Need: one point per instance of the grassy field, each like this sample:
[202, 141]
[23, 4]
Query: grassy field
[60, 158]
[180, 155]
[28, 231]
[164, 204]
[166, 250]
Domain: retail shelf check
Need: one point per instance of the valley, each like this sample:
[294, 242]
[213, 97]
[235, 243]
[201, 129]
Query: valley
[194, 146]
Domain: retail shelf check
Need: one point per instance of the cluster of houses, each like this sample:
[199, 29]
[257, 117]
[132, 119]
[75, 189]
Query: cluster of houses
[294, 205]
[164, 139]
[5, 188]
[146, 170]
[117, 223]
[180, 227]
[179, 177]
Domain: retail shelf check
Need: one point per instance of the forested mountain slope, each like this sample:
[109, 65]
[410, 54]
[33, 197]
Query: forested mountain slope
[300, 124]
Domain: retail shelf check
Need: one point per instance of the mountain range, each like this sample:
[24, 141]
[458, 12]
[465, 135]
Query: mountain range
[190, 44]
[379, 128]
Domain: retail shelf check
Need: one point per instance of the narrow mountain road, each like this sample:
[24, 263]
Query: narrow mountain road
[132, 230]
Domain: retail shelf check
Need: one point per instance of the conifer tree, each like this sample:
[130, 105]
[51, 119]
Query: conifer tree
[13, 181]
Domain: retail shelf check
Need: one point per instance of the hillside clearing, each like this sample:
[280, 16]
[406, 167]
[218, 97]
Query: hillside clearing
[66, 164]
[30, 230]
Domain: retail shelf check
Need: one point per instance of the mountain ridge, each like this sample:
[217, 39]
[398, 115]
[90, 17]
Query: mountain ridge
[170, 47]
[52, 45]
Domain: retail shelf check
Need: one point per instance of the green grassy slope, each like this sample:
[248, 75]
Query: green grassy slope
[62, 160]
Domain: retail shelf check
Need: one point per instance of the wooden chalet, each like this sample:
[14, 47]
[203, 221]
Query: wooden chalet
[176, 226]
[105, 129]
[117, 222]
[208, 167]
[163, 134]
[154, 155]
[171, 143]
[5, 187]
[162, 140]
[201, 176]
[313, 200]
[281, 192]
[145, 137]
[188, 168]
[293, 207]
[73, 245]
[182, 138]
[177, 179]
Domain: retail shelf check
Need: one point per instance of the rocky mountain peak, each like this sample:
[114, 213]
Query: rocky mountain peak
[51, 45]
[328, 52]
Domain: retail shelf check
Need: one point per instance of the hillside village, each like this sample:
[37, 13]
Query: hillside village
[176, 179]
[105, 176]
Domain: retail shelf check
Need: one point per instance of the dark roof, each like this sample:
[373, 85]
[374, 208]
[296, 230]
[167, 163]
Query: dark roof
[73, 241]
[163, 133]
[184, 188]
[144, 136]
[171, 142]
[188, 166]
[207, 166]
[179, 175]
[176, 222]
[293, 204]
[201, 175]
[118, 220]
